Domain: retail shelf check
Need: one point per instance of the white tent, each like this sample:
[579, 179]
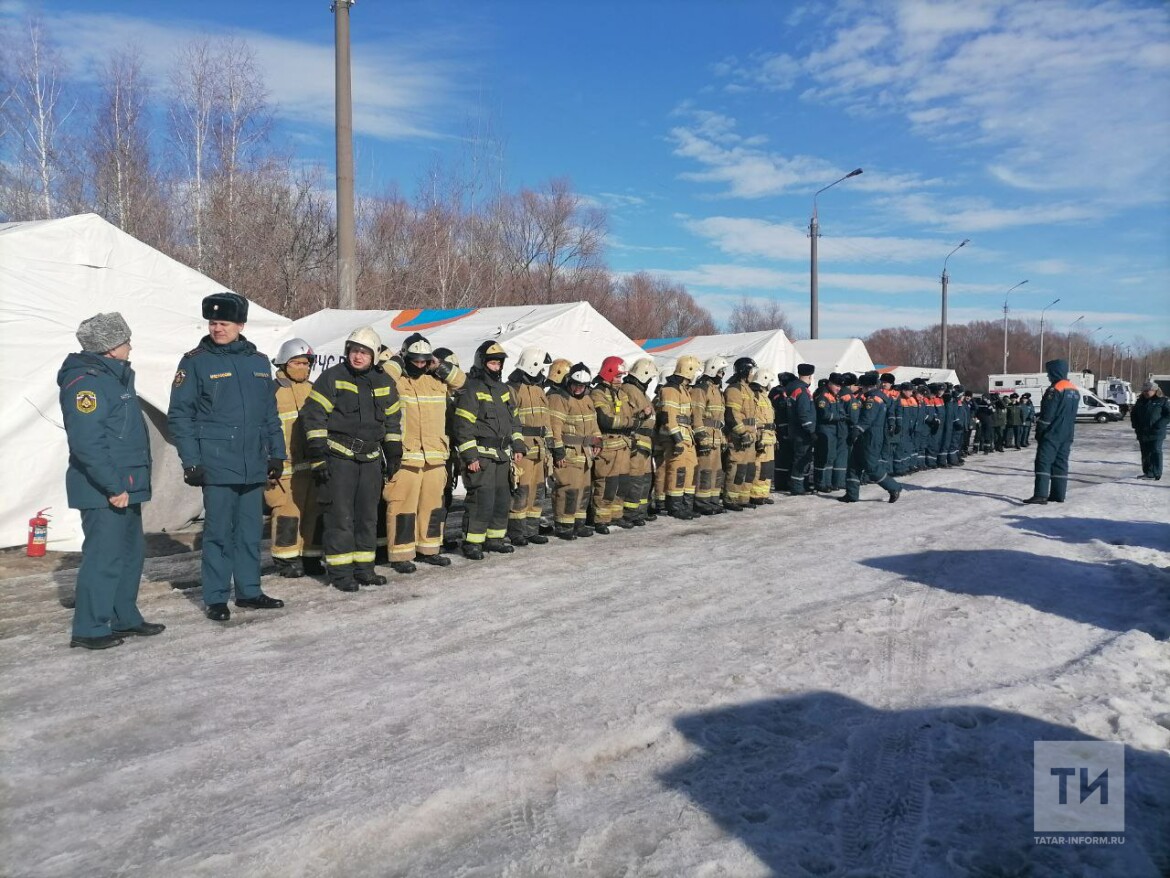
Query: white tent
[834, 355]
[933, 376]
[574, 331]
[53, 275]
[770, 348]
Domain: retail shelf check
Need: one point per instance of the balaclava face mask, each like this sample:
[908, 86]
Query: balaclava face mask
[297, 370]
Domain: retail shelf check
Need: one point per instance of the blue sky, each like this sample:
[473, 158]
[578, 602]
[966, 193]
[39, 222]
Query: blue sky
[1040, 130]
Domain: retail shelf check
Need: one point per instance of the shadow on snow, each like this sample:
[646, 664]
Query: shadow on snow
[1150, 534]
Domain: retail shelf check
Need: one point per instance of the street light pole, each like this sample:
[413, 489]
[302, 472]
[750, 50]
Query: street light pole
[1045, 308]
[1088, 346]
[945, 280]
[1070, 326]
[814, 232]
[1005, 313]
[346, 236]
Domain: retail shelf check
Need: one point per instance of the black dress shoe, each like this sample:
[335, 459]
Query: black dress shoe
[260, 602]
[846, 499]
[434, 560]
[369, 579]
[104, 641]
[498, 546]
[894, 495]
[146, 629]
[1037, 501]
[218, 612]
[403, 567]
[538, 539]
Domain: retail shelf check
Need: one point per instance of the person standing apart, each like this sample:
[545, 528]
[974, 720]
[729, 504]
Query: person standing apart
[1054, 435]
[1150, 417]
[108, 480]
[296, 537]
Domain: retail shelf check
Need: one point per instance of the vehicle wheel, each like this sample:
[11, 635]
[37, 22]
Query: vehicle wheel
[1101, 419]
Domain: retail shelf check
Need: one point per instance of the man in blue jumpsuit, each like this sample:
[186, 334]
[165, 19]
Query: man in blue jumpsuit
[1054, 434]
[224, 423]
[868, 440]
[108, 480]
[802, 428]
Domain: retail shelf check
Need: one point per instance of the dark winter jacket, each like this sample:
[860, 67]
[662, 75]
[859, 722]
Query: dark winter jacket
[1058, 407]
[109, 451]
[1150, 417]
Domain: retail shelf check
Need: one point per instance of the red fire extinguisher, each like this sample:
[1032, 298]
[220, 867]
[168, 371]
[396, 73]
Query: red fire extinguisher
[38, 534]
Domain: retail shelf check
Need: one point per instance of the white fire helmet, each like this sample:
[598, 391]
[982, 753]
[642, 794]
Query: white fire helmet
[366, 337]
[763, 377]
[293, 348]
[532, 361]
[644, 370]
[715, 365]
[416, 345]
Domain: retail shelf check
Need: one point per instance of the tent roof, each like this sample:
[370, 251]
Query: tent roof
[909, 373]
[769, 348]
[573, 330]
[53, 275]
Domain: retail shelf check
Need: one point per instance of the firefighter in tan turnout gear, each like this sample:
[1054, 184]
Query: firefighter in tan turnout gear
[296, 534]
[707, 407]
[742, 413]
[761, 381]
[674, 440]
[611, 470]
[576, 440]
[526, 385]
[488, 441]
[415, 513]
[353, 432]
[636, 496]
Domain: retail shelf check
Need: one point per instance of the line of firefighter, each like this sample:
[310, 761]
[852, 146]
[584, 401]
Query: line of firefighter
[401, 427]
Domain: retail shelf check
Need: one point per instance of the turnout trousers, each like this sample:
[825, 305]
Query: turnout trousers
[415, 514]
[489, 497]
[802, 461]
[636, 497]
[611, 465]
[739, 474]
[233, 526]
[765, 472]
[524, 516]
[295, 522]
[570, 494]
[709, 477]
[349, 507]
[112, 555]
[1052, 468]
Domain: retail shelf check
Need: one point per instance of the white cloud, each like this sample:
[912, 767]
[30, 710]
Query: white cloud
[969, 214]
[397, 92]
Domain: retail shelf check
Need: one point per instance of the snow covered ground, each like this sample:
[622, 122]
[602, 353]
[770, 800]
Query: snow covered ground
[810, 689]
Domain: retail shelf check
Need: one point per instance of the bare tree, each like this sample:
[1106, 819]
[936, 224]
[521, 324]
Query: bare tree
[192, 108]
[36, 111]
[748, 316]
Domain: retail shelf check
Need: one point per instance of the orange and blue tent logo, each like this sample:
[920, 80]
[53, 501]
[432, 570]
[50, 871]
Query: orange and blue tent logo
[657, 345]
[418, 319]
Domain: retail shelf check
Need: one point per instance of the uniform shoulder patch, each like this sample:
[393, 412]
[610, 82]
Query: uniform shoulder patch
[180, 377]
[87, 402]
[193, 352]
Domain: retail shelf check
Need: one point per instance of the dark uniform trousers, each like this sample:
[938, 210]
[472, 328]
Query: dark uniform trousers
[868, 460]
[233, 526]
[489, 498]
[111, 568]
[349, 505]
[802, 459]
[825, 456]
[1051, 468]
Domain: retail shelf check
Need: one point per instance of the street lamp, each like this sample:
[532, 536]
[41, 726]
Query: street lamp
[814, 232]
[1101, 350]
[945, 280]
[1005, 313]
[1070, 326]
[1045, 308]
[1088, 346]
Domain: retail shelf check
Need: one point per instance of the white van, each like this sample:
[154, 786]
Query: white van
[1094, 409]
[1091, 408]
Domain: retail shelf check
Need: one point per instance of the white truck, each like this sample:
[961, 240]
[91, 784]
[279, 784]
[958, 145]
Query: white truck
[1115, 390]
[1092, 407]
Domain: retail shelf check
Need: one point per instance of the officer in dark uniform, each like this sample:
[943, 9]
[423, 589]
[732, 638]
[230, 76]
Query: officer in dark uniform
[488, 440]
[223, 421]
[802, 428]
[829, 413]
[850, 401]
[108, 480]
[1054, 434]
[783, 465]
[868, 440]
[353, 436]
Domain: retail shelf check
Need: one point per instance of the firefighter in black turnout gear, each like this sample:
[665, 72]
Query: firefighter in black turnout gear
[488, 440]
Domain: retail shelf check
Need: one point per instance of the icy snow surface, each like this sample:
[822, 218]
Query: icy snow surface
[809, 689]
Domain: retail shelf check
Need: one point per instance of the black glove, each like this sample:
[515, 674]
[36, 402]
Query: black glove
[892, 428]
[854, 434]
[275, 469]
[193, 476]
[743, 441]
[321, 473]
[958, 425]
[442, 370]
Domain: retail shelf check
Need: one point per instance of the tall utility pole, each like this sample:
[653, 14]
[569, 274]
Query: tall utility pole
[346, 247]
[1045, 309]
[814, 232]
[945, 280]
[1005, 315]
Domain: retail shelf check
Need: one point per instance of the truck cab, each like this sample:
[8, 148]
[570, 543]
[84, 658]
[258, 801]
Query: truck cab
[1092, 408]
